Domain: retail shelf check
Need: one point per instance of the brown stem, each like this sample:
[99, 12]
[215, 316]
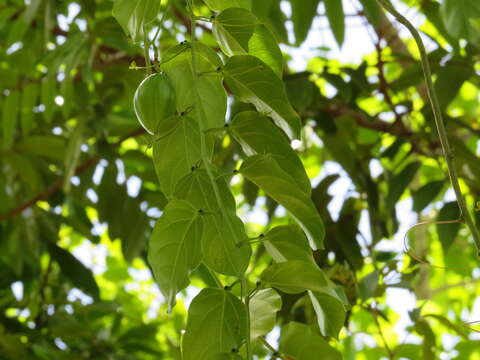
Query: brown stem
[49, 191]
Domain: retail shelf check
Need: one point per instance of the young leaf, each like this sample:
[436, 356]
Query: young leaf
[252, 81]
[296, 276]
[299, 342]
[264, 306]
[223, 238]
[303, 13]
[216, 325]
[174, 155]
[133, 15]
[287, 242]
[266, 173]
[9, 118]
[239, 32]
[258, 135]
[208, 94]
[336, 18]
[330, 313]
[174, 248]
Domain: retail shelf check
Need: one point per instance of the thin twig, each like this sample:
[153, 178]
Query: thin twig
[374, 314]
[274, 352]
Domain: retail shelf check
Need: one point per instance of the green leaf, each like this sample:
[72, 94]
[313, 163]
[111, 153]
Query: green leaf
[219, 5]
[133, 15]
[74, 270]
[426, 194]
[399, 183]
[29, 100]
[26, 170]
[22, 23]
[297, 276]
[208, 95]
[303, 13]
[216, 325]
[450, 79]
[250, 191]
[174, 249]
[300, 342]
[266, 173]
[258, 135]
[134, 236]
[330, 313]
[223, 239]
[372, 10]
[336, 18]
[264, 306]
[252, 81]
[287, 242]
[456, 15]
[72, 154]
[9, 118]
[49, 146]
[239, 32]
[447, 233]
[49, 91]
[270, 13]
[175, 154]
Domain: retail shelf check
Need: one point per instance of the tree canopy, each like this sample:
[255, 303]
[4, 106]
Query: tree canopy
[175, 184]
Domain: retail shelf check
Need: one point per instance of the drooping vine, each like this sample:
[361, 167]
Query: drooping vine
[199, 226]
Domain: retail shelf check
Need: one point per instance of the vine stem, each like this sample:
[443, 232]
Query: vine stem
[246, 299]
[437, 114]
[208, 168]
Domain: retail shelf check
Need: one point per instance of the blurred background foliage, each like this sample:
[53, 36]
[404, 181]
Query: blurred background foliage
[79, 194]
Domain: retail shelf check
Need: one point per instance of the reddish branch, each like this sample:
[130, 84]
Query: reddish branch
[49, 191]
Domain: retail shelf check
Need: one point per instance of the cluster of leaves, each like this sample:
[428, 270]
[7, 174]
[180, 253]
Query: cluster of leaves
[72, 154]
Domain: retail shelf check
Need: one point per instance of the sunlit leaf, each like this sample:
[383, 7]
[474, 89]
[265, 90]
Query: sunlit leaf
[287, 243]
[203, 96]
[330, 313]
[296, 276]
[176, 153]
[263, 312]
[239, 32]
[300, 342]
[224, 239]
[265, 172]
[252, 81]
[258, 135]
[174, 248]
[216, 325]
[133, 15]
